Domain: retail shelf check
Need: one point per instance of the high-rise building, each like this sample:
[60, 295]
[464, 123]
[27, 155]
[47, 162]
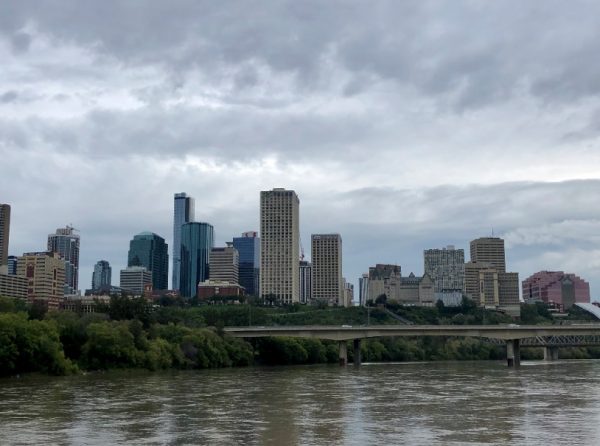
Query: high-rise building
[327, 280]
[101, 277]
[65, 243]
[4, 233]
[280, 245]
[248, 246]
[489, 250]
[363, 289]
[45, 274]
[556, 287]
[12, 265]
[486, 279]
[150, 250]
[197, 240]
[135, 279]
[446, 267]
[183, 213]
[305, 281]
[224, 265]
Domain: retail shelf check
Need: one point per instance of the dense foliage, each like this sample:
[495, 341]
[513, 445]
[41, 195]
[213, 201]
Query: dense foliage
[132, 333]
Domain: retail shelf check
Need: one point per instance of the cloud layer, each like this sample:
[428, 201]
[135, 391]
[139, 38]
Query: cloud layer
[403, 126]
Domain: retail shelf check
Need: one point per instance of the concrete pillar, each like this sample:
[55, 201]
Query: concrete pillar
[357, 357]
[550, 353]
[513, 352]
[343, 353]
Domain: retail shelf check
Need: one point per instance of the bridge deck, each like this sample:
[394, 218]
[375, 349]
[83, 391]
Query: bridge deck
[343, 333]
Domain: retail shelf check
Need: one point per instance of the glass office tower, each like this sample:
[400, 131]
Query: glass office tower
[197, 240]
[248, 246]
[150, 250]
[101, 277]
[183, 213]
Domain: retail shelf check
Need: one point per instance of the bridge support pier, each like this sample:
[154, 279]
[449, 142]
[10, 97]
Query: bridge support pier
[513, 352]
[343, 356]
[357, 356]
[550, 353]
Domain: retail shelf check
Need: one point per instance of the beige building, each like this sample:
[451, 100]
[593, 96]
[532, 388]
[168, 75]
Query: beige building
[327, 280]
[416, 290]
[4, 234]
[489, 250]
[45, 274]
[486, 279]
[13, 286]
[135, 280]
[384, 279]
[280, 245]
[224, 265]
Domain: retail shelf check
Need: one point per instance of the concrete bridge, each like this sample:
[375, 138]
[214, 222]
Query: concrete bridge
[550, 337]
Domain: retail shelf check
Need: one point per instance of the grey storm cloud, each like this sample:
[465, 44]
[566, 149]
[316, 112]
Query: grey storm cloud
[402, 125]
[478, 52]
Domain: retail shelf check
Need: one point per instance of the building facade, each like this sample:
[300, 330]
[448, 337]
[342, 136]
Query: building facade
[556, 287]
[363, 289]
[486, 279]
[197, 240]
[45, 274]
[348, 294]
[327, 280]
[248, 246]
[384, 279]
[216, 289]
[305, 282]
[489, 250]
[183, 213]
[102, 275]
[150, 250]
[224, 265]
[13, 286]
[12, 265]
[280, 245]
[4, 235]
[65, 243]
[135, 280]
[446, 267]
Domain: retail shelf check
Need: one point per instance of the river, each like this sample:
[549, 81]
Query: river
[437, 403]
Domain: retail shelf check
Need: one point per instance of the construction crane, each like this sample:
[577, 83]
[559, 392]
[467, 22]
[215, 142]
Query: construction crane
[301, 250]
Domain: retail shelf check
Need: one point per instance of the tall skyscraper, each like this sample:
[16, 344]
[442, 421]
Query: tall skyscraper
[66, 244]
[446, 267]
[305, 281]
[224, 265]
[248, 246]
[101, 277]
[489, 250]
[45, 274]
[327, 280]
[4, 234]
[197, 240]
[183, 213]
[486, 279]
[150, 250]
[280, 245]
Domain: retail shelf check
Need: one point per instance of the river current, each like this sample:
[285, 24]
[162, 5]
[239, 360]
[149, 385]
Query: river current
[436, 403]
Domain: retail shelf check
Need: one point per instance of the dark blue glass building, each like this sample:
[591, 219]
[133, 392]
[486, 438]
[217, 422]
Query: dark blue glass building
[150, 250]
[248, 246]
[197, 240]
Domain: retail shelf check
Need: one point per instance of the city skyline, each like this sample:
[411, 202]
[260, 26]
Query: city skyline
[406, 265]
[402, 126]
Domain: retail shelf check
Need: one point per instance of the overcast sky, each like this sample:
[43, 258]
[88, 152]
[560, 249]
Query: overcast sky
[401, 125]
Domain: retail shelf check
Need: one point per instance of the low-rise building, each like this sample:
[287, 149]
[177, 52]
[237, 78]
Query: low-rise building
[214, 288]
[136, 280]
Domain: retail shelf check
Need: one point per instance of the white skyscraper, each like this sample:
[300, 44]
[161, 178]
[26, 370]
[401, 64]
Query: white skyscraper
[280, 245]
